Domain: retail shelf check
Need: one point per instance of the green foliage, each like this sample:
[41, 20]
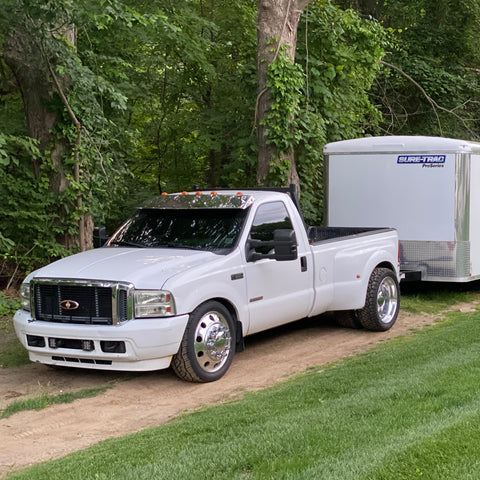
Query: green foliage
[39, 216]
[8, 305]
[284, 80]
[197, 87]
[29, 227]
[434, 47]
[323, 96]
[166, 91]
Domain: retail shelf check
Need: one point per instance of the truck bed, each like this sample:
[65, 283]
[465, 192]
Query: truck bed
[322, 234]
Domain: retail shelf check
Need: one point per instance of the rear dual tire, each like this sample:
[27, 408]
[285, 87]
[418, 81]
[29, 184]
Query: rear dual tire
[382, 304]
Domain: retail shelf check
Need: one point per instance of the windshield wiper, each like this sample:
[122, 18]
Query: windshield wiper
[186, 247]
[124, 243]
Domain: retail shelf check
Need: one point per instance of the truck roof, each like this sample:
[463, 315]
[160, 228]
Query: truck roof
[211, 199]
[404, 144]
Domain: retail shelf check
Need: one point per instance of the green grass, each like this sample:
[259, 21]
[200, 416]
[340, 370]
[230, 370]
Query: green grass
[6, 324]
[44, 401]
[13, 354]
[405, 410]
[437, 297]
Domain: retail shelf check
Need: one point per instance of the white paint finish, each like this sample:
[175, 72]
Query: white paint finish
[373, 190]
[402, 144]
[147, 341]
[278, 292]
[283, 292]
[146, 268]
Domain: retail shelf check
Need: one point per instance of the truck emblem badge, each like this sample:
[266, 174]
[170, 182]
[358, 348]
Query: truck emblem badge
[69, 304]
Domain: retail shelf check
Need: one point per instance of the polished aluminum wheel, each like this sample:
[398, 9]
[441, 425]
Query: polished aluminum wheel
[213, 342]
[387, 299]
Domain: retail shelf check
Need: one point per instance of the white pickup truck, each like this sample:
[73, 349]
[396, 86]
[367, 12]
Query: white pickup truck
[189, 275]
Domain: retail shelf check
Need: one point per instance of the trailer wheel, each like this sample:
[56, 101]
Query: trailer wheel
[382, 301]
[208, 344]
[348, 319]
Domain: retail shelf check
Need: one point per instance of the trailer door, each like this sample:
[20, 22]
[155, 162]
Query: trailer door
[475, 215]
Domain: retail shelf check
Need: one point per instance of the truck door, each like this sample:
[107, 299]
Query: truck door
[278, 291]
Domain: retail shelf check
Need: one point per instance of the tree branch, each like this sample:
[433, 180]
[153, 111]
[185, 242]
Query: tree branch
[432, 102]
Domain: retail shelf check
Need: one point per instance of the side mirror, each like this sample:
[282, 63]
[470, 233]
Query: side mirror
[284, 247]
[100, 236]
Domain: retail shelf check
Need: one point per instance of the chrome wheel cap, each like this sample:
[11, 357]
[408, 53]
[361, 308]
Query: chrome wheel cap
[387, 300]
[212, 342]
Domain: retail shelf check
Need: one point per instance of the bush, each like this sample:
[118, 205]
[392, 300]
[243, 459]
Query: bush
[8, 305]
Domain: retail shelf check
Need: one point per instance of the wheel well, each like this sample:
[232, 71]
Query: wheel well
[386, 265]
[240, 346]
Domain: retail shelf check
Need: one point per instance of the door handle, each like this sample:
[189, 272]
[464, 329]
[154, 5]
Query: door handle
[303, 264]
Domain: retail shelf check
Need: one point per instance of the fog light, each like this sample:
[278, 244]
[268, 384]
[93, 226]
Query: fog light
[88, 345]
[113, 347]
[35, 341]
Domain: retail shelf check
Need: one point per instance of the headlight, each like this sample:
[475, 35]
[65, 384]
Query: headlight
[25, 296]
[153, 303]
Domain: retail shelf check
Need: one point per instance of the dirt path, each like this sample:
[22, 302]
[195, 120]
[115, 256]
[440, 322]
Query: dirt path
[155, 398]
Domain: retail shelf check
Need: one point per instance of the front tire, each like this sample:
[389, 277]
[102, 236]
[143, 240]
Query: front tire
[382, 301]
[208, 344]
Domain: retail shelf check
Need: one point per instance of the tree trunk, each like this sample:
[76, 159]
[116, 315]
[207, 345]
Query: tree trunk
[22, 56]
[276, 27]
[26, 61]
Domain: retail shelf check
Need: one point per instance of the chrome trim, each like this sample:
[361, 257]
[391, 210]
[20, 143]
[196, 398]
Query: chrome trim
[462, 197]
[114, 286]
[437, 261]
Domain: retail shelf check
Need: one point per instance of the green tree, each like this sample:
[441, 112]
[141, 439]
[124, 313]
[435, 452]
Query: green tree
[132, 100]
[197, 83]
[337, 60]
[57, 156]
[431, 75]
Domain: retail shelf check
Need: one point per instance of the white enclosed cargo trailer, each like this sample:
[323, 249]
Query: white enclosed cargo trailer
[428, 188]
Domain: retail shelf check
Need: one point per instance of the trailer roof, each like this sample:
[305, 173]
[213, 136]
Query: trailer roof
[410, 144]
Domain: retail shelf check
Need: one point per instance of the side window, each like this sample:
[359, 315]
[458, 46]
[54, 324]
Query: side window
[269, 217]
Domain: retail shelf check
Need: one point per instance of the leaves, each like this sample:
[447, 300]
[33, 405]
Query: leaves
[165, 93]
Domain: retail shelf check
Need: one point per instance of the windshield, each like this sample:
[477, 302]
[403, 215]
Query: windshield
[199, 229]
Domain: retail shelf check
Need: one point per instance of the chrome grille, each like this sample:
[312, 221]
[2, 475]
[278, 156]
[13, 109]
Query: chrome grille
[80, 302]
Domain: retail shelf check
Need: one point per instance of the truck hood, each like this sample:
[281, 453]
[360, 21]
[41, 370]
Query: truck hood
[143, 267]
